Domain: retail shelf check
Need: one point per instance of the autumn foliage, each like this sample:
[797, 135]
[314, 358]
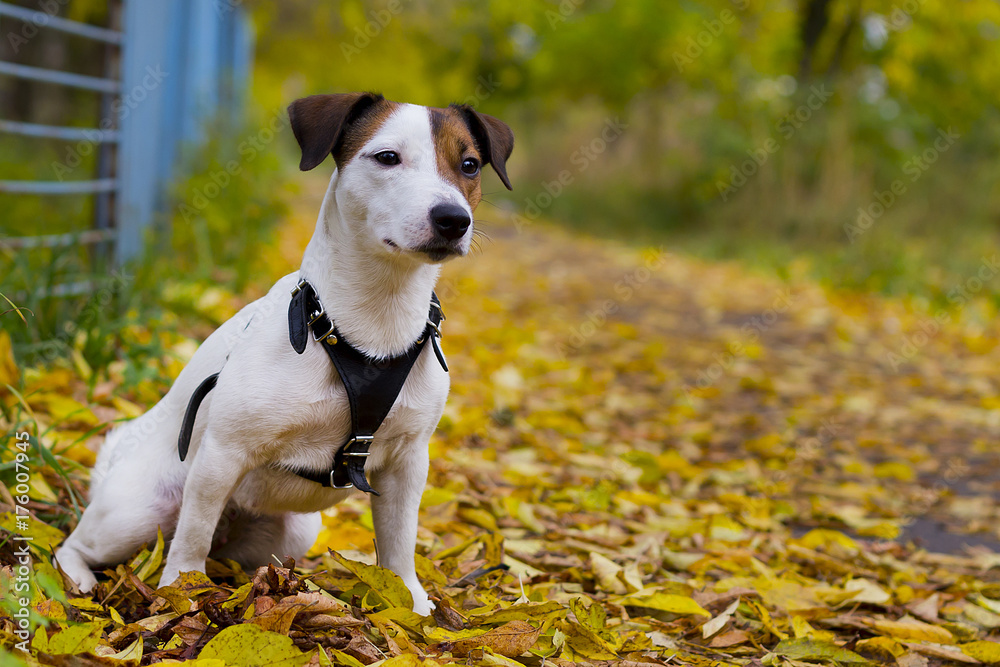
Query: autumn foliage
[646, 460]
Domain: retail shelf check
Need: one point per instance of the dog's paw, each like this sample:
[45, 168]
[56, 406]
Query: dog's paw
[423, 606]
[70, 562]
[421, 603]
[169, 576]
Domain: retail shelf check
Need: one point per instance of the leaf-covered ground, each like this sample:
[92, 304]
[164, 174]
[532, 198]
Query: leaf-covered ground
[645, 459]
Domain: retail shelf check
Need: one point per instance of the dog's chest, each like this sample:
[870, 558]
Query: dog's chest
[322, 419]
[317, 426]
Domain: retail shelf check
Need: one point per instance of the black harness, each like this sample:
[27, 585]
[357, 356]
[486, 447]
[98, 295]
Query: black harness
[372, 385]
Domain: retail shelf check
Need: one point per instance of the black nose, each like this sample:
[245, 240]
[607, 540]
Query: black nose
[450, 221]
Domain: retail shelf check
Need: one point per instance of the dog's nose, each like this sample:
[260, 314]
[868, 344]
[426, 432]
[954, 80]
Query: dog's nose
[450, 221]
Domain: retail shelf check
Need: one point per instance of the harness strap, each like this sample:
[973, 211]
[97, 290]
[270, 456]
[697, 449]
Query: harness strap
[187, 426]
[372, 385]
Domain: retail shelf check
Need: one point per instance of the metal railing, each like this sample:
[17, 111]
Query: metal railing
[105, 185]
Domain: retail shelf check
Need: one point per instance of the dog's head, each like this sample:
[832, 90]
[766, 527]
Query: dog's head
[408, 176]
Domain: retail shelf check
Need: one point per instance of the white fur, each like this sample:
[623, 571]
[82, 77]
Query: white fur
[272, 405]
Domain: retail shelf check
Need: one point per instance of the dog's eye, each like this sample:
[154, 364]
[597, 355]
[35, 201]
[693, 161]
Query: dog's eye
[388, 158]
[470, 166]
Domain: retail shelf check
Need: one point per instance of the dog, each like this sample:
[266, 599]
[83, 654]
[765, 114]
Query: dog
[400, 202]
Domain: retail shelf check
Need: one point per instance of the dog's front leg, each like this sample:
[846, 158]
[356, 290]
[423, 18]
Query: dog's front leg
[215, 472]
[401, 484]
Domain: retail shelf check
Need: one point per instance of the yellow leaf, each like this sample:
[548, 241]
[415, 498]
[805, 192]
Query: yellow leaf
[895, 470]
[807, 649]
[435, 496]
[249, 646]
[586, 642]
[478, 517]
[521, 612]
[385, 583]
[131, 654]
[75, 639]
[720, 621]
[8, 365]
[866, 590]
[984, 651]
[801, 628]
[606, 572]
[765, 617]
[63, 409]
[41, 534]
[669, 602]
[152, 563]
[80, 364]
[884, 646]
[818, 537]
[912, 630]
[126, 407]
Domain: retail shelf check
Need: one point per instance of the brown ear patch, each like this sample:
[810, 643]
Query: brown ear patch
[338, 124]
[453, 143]
[360, 130]
[494, 139]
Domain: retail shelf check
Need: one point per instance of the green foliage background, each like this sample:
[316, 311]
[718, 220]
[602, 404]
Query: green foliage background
[701, 87]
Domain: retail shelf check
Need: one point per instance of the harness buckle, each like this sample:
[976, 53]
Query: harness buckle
[437, 306]
[299, 286]
[367, 440]
[329, 336]
[334, 485]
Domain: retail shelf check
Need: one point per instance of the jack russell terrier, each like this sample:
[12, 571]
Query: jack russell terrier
[283, 416]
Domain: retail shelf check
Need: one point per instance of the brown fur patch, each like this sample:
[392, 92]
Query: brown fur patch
[453, 143]
[360, 130]
[338, 124]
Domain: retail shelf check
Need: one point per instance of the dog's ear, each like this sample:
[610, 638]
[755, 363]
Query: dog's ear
[318, 122]
[493, 137]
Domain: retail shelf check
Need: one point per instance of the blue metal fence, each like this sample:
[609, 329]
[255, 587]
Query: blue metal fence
[172, 66]
[184, 62]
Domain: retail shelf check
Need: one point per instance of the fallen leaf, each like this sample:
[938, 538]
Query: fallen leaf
[249, 646]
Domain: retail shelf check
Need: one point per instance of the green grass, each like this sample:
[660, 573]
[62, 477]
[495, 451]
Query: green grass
[216, 240]
[794, 214]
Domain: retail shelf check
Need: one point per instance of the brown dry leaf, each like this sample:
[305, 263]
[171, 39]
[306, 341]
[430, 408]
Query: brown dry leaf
[731, 638]
[510, 640]
[639, 464]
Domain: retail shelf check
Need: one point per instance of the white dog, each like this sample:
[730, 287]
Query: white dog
[399, 203]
